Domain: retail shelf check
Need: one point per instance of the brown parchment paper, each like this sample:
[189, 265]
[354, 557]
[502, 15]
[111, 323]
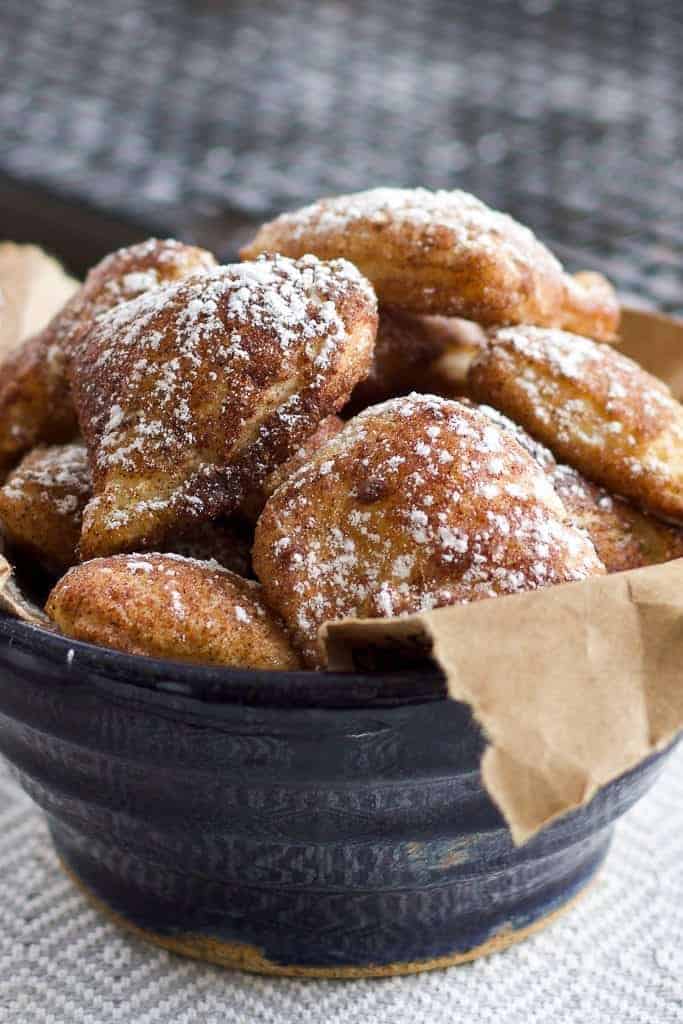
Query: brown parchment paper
[573, 685]
[33, 287]
[656, 342]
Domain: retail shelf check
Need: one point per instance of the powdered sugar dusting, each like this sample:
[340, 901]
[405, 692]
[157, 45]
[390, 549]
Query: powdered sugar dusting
[552, 357]
[469, 222]
[393, 527]
[124, 275]
[594, 406]
[60, 475]
[214, 353]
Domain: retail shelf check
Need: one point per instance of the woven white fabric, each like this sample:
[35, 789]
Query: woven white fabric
[616, 957]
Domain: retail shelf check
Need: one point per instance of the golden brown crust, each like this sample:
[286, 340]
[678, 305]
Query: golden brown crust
[41, 513]
[190, 395]
[417, 503]
[42, 502]
[167, 606]
[623, 536]
[595, 408]
[125, 275]
[445, 253]
[35, 404]
[35, 400]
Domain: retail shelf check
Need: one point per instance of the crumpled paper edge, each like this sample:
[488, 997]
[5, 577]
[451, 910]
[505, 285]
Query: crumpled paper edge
[573, 685]
[33, 287]
[13, 601]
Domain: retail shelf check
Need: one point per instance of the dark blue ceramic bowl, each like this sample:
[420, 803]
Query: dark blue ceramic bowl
[291, 823]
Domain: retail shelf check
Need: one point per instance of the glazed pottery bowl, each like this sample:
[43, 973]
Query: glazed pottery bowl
[290, 823]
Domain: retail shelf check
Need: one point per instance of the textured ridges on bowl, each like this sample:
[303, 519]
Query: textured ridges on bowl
[249, 958]
[293, 839]
[301, 925]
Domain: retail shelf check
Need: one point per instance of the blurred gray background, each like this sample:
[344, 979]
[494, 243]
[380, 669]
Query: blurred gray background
[200, 117]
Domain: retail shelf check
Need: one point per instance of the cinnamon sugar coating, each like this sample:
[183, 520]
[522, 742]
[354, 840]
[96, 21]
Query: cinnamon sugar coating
[35, 401]
[445, 253]
[595, 408]
[124, 275]
[42, 502]
[190, 395]
[167, 606]
[623, 536]
[417, 503]
[41, 514]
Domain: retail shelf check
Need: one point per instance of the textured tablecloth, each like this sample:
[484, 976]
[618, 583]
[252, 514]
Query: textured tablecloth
[617, 957]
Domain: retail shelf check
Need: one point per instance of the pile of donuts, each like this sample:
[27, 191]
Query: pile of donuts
[398, 400]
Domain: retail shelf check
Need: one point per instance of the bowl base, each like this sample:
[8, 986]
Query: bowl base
[240, 956]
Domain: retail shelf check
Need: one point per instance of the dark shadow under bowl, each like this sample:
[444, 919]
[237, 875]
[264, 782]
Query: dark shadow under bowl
[292, 823]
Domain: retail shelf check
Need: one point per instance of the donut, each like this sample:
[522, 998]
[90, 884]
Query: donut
[419, 502]
[445, 253]
[623, 536]
[167, 606]
[124, 275]
[190, 395]
[42, 502]
[35, 402]
[595, 408]
[41, 514]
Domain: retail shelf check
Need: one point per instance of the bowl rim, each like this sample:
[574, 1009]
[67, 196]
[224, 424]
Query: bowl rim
[68, 659]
